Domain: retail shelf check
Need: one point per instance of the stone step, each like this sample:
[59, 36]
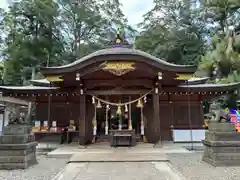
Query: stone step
[16, 159]
[11, 166]
[218, 163]
[16, 139]
[17, 146]
[223, 149]
[224, 156]
[221, 127]
[16, 129]
[222, 136]
[17, 152]
[221, 143]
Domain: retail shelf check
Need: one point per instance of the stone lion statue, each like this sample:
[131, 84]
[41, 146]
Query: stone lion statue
[218, 114]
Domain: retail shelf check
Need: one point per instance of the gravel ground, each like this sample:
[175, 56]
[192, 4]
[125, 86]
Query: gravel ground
[193, 168]
[46, 169]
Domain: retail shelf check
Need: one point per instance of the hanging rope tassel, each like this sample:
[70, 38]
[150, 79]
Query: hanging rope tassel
[93, 100]
[126, 108]
[145, 99]
[119, 110]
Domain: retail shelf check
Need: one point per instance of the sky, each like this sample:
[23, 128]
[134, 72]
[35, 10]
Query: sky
[133, 9]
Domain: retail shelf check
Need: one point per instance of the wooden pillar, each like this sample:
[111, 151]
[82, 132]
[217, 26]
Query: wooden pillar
[156, 119]
[49, 111]
[82, 120]
[130, 114]
[106, 118]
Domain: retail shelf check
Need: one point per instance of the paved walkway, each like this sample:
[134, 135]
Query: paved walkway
[101, 162]
[118, 171]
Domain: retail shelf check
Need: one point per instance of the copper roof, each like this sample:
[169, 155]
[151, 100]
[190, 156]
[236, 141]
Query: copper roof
[125, 54]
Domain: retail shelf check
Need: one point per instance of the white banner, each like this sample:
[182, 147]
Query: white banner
[185, 135]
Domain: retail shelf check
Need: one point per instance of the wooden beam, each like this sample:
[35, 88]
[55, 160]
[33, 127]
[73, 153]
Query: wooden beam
[156, 118]
[118, 82]
[179, 102]
[118, 92]
[82, 120]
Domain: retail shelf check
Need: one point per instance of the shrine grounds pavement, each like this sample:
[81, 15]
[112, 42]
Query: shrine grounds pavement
[181, 166]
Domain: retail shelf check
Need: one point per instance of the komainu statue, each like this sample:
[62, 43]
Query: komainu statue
[218, 114]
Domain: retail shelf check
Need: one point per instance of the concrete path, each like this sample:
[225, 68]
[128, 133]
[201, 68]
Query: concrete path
[118, 171]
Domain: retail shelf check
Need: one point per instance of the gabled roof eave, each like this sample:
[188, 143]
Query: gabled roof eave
[120, 51]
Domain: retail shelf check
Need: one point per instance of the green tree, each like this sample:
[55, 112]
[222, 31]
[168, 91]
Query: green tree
[33, 38]
[49, 33]
[222, 61]
[87, 25]
[221, 14]
[173, 31]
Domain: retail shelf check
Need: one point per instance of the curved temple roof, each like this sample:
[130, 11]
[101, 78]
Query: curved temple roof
[126, 53]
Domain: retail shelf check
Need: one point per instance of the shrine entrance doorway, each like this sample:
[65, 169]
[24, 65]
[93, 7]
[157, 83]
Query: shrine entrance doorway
[109, 117]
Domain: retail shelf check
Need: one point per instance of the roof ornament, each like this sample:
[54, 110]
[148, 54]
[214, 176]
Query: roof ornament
[120, 40]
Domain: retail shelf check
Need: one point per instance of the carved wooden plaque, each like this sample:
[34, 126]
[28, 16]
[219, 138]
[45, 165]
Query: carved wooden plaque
[119, 68]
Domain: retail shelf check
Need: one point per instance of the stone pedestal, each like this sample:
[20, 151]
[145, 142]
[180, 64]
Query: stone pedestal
[17, 147]
[222, 145]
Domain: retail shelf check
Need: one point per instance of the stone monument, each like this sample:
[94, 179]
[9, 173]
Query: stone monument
[17, 145]
[222, 142]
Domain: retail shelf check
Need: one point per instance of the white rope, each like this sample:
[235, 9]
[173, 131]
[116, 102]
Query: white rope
[121, 104]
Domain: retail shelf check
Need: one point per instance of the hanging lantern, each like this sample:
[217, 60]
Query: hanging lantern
[236, 92]
[139, 104]
[77, 77]
[99, 104]
[81, 91]
[93, 100]
[119, 110]
[145, 99]
[159, 76]
[107, 107]
[126, 108]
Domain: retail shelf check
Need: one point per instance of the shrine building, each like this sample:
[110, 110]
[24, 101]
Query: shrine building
[121, 88]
